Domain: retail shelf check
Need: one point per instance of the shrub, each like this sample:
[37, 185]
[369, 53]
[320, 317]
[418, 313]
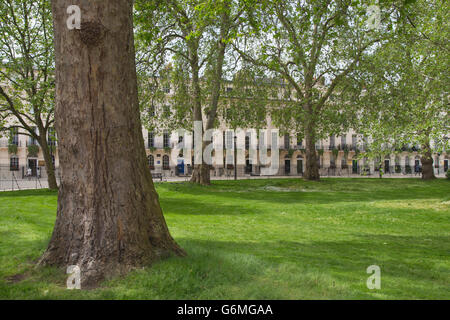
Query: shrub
[335, 152]
[12, 148]
[33, 150]
[447, 174]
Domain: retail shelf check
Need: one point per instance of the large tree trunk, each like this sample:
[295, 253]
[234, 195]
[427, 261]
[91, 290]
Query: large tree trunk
[427, 163]
[51, 178]
[109, 219]
[200, 174]
[312, 169]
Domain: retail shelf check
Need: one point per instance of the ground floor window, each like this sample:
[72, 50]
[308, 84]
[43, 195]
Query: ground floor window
[151, 162]
[14, 164]
[166, 165]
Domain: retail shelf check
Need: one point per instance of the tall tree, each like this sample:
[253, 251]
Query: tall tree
[27, 73]
[313, 46]
[406, 86]
[109, 219]
[193, 37]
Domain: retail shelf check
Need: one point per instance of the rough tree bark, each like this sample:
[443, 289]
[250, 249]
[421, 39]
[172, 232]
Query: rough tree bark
[51, 177]
[427, 162]
[200, 173]
[109, 219]
[312, 169]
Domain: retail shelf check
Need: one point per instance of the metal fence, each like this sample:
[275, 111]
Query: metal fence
[23, 178]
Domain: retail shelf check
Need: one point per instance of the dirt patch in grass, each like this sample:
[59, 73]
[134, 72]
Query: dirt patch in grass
[16, 278]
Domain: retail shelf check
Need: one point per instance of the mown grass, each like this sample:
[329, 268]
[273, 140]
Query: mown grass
[260, 239]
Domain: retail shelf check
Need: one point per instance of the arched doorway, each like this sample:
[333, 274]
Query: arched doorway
[300, 165]
[287, 165]
[387, 164]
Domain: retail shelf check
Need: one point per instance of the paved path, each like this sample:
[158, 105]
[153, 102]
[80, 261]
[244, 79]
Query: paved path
[25, 184]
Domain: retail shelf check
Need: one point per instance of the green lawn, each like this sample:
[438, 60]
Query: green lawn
[260, 239]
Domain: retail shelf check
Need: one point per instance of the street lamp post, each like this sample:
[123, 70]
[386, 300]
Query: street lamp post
[235, 158]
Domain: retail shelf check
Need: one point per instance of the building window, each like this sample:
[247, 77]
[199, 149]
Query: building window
[51, 137]
[262, 140]
[299, 141]
[247, 142]
[14, 164]
[14, 136]
[354, 142]
[343, 141]
[166, 162]
[166, 139]
[151, 140]
[287, 140]
[32, 141]
[332, 161]
[332, 142]
[151, 162]
[229, 140]
[436, 162]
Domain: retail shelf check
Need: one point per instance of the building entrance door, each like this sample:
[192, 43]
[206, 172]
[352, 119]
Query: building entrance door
[355, 166]
[300, 166]
[180, 167]
[386, 166]
[248, 167]
[287, 166]
[32, 164]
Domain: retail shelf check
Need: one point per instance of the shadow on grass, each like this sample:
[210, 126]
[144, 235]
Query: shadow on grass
[324, 192]
[411, 268]
[293, 270]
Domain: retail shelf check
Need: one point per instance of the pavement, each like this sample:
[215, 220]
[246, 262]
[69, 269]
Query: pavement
[28, 184]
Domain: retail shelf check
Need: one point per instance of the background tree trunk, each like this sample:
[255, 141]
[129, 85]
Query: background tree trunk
[427, 163]
[312, 169]
[109, 219]
[51, 177]
[200, 173]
